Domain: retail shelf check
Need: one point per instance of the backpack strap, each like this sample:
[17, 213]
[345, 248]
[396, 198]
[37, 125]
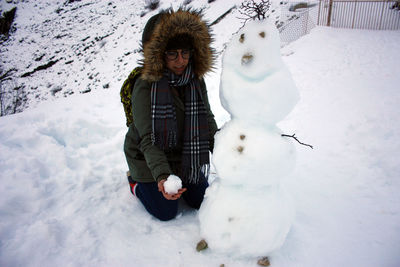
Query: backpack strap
[126, 93]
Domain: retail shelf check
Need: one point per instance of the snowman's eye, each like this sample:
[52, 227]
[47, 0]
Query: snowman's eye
[262, 34]
[241, 39]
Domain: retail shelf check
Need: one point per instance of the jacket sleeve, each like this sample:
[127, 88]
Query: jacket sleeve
[155, 158]
[210, 116]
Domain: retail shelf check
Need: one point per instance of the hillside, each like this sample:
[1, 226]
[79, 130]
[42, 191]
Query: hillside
[59, 48]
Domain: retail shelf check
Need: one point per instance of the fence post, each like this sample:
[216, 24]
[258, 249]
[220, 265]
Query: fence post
[380, 21]
[329, 13]
[306, 28]
[354, 14]
[319, 12]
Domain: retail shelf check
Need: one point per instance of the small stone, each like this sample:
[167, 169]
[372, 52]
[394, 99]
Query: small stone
[247, 58]
[241, 39]
[86, 91]
[264, 261]
[262, 34]
[202, 245]
[240, 149]
[242, 137]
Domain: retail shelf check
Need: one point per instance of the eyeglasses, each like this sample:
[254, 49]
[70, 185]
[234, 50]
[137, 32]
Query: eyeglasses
[173, 54]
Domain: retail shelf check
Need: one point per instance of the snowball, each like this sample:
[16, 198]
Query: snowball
[253, 74]
[245, 221]
[172, 184]
[250, 155]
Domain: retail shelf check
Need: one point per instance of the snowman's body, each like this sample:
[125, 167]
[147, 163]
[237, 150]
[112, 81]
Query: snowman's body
[239, 148]
[236, 222]
[246, 211]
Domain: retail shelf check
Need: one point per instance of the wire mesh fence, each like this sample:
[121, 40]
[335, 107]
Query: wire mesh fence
[355, 14]
[359, 14]
[299, 22]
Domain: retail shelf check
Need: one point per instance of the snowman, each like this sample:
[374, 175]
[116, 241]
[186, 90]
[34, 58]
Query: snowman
[246, 211]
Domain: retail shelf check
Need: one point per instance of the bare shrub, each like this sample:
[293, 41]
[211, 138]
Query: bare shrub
[251, 10]
[152, 4]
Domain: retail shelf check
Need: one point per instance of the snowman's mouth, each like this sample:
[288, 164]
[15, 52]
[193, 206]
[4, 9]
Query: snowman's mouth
[247, 58]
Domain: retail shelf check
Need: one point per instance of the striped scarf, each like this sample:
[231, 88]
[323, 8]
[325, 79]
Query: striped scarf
[195, 154]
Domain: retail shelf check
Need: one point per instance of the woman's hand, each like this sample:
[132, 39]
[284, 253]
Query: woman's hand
[169, 196]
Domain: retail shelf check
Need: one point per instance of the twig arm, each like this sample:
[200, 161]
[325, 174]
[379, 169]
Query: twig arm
[295, 138]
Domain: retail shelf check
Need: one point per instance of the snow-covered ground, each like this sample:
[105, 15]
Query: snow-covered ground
[346, 189]
[65, 200]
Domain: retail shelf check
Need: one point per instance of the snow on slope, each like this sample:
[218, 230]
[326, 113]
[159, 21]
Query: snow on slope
[65, 201]
[90, 45]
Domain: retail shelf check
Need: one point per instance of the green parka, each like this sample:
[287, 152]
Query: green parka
[146, 162]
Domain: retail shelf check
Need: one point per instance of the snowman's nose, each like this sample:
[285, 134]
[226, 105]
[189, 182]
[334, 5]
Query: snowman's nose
[247, 58]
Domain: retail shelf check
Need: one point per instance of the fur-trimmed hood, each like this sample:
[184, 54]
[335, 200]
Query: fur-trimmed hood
[170, 24]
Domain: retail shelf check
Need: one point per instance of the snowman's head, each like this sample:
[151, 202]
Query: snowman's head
[254, 52]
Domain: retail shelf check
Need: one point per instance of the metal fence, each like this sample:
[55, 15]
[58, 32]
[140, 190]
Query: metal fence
[355, 14]
[297, 23]
[359, 14]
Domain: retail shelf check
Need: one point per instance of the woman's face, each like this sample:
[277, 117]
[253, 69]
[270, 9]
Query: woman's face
[177, 60]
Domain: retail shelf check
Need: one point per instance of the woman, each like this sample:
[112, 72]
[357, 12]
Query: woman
[173, 127]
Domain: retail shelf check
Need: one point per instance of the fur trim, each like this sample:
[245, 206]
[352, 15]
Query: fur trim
[173, 23]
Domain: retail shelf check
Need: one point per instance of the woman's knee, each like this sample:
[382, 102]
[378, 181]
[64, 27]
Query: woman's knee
[195, 194]
[166, 214]
[155, 203]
